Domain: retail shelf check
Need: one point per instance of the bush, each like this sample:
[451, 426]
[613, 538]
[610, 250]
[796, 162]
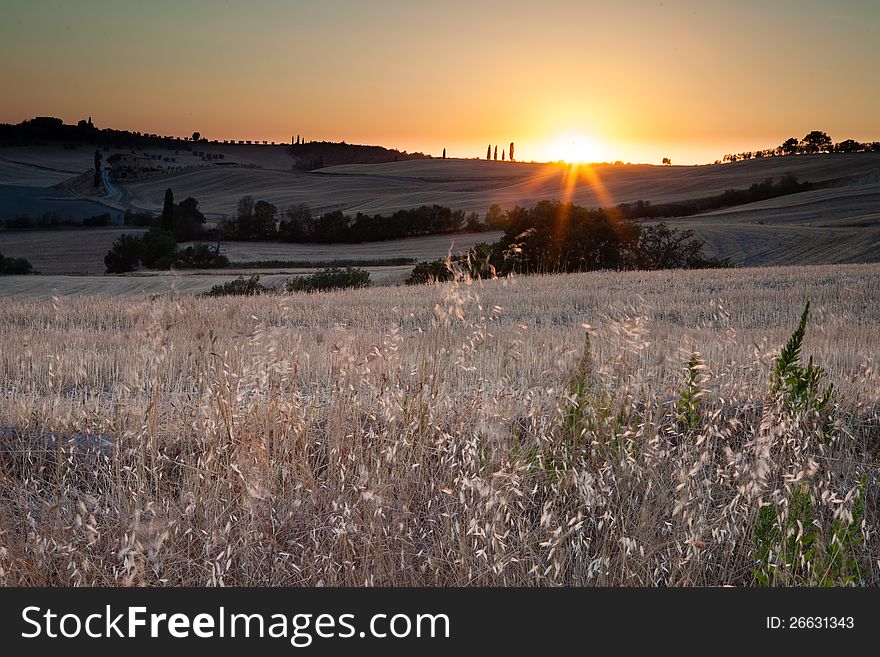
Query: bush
[14, 266]
[201, 256]
[435, 271]
[158, 249]
[662, 247]
[155, 249]
[124, 255]
[476, 263]
[241, 286]
[332, 278]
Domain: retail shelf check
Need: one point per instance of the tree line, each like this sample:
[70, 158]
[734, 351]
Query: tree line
[813, 142]
[262, 221]
[769, 188]
[554, 237]
[318, 154]
[504, 153]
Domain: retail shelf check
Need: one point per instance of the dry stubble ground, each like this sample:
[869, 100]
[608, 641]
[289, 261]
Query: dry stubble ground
[439, 435]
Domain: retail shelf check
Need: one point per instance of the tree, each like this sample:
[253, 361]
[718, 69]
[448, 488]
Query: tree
[511, 152]
[15, 266]
[667, 161]
[124, 255]
[789, 146]
[503, 155]
[196, 136]
[489, 152]
[264, 221]
[296, 225]
[201, 256]
[444, 153]
[97, 180]
[662, 247]
[188, 220]
[816, 142]
[167, 221]
[496, 152]
[158, 249]
[849, 146]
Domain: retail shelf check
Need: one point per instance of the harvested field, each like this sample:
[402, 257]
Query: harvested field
[443, 435]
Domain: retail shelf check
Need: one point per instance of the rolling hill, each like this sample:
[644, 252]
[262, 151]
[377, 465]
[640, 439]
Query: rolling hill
[836, 222]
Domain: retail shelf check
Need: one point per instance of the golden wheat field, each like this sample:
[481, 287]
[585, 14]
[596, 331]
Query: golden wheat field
[527, 431]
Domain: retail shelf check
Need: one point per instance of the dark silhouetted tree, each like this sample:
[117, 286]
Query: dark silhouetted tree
[816, 142]
[667, 161]
[124, 255]
[167, 220]
[489, 152]
[511, 152]
[789, 146]
[496, 153]
[188, 221]
[196, 136]
[503, 155]
[444, 153]
[296, 225]
[264, 221]
[849, 146]
[14, 266]
[97, 180]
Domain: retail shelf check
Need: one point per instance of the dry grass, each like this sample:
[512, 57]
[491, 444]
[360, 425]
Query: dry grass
[442, 435]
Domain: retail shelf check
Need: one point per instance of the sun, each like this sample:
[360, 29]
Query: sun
[576, 148]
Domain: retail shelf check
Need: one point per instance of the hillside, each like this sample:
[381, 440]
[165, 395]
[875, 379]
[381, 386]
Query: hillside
[836, 222]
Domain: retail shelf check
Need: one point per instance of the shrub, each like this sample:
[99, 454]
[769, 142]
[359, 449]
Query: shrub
[241, 286]
[662, 247]
[124, 255]
[429, 272]
[201, 256]
[332, 278]
[158, 249]
[14, 266]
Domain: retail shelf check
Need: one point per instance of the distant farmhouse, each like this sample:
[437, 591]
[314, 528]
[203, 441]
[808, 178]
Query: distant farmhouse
[124, 165]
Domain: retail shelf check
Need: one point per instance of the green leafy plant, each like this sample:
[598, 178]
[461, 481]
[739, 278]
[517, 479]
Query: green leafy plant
[798, 387]
[795, 551]
[689, 394]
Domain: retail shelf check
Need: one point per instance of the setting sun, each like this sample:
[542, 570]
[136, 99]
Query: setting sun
[575, 148]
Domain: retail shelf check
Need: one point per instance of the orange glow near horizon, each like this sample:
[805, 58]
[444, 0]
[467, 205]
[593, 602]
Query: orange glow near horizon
[574, 148]
[648, 80]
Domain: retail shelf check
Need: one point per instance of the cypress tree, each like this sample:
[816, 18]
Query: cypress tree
[489, 152]
[168, 211]
[511, 151]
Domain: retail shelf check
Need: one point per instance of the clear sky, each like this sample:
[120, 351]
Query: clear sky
[634, 81]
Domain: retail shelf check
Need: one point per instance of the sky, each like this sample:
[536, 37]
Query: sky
[634, 81]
